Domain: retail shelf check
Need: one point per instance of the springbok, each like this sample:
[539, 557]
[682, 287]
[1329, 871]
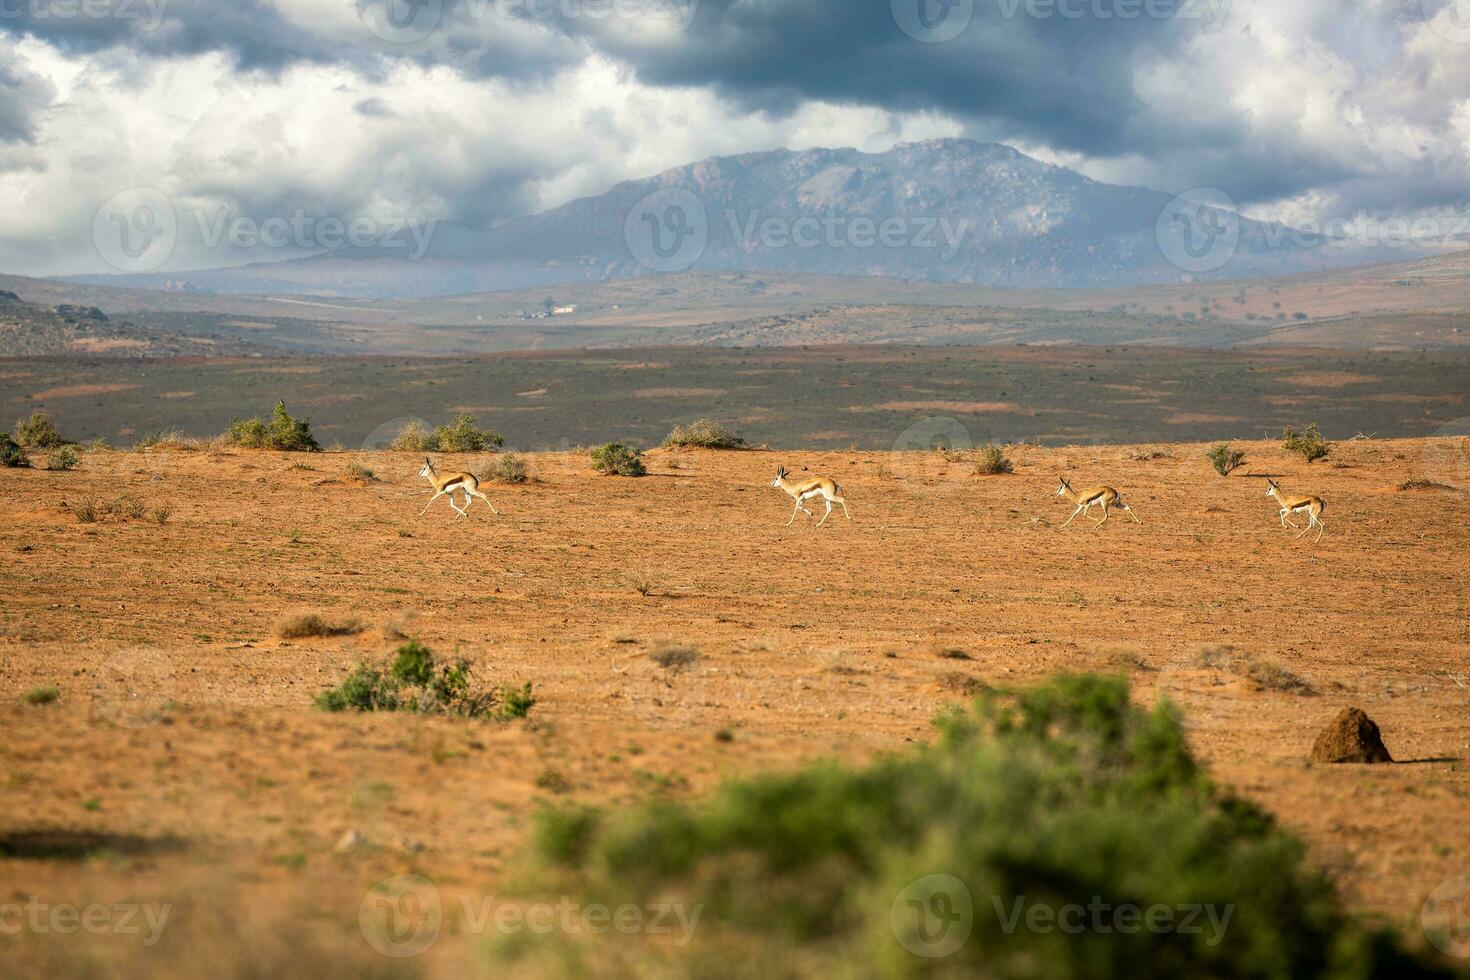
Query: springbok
[804, 490]
[1103, 497]
[450, 482]
[1313, 506]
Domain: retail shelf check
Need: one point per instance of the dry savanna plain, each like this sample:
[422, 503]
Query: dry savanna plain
[183, 762]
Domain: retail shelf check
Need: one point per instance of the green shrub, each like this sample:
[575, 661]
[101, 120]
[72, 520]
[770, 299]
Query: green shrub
[991, 460]
[282, 432]
[1225, 458]
[507, 468]
[415, 438]
[1052, 799]
[515, 702]
[64, 458]
[11, 454]
[462, 436]
[45, 694]
[616, 459]
[414, 681]
[38, 432]
[703, 434]
[1309, 445]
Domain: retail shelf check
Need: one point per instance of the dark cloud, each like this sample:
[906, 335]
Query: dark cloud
[23, 93]
[467, 35]
[1067, 83]
[253, 31]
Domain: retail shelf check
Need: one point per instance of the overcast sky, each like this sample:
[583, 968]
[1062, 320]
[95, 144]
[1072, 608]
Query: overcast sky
[479, 110]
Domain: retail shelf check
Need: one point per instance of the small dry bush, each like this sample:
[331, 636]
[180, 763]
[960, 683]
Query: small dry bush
[170, 440]
[129, 507]
[356, 471]
[306, 625]
[703, 434]
[673, 656]
[507, 468]
[38, 432]
[1267, 674]
[958, 682]
[644, 583]
[64, 458]
[1124, 656]
[1420, 483]
[991, 460]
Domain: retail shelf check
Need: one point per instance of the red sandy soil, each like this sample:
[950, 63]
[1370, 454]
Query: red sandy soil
[184, 726]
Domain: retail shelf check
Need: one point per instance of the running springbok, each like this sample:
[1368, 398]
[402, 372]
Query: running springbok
[1103, 497]
[1313, 506]
[450, 482]
[804, 490]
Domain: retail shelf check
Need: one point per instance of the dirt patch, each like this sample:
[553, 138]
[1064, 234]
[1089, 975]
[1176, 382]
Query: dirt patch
[80, 391]
[1328, 379]
[957, 407]
[1199, 418]
[679, 392]
[100, 345]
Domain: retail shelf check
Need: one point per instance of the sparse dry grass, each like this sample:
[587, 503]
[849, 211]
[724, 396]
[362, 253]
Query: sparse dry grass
[643, 582]
[958, 682]
[1266, 674]
[673, 656]
[311, 625]
[946, 652]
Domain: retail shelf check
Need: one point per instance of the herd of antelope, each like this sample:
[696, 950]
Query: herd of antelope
[830, 492]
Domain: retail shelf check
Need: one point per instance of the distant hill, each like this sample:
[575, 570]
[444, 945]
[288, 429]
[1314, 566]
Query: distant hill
[1414, 305]
[943, 211]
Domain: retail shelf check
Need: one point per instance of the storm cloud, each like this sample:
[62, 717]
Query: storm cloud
[476, 111]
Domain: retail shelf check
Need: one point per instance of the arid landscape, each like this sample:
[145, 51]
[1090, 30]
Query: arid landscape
[182, 761]
[734, 490]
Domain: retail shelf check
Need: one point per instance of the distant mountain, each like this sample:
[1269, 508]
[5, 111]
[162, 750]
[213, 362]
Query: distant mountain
[952, 211]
